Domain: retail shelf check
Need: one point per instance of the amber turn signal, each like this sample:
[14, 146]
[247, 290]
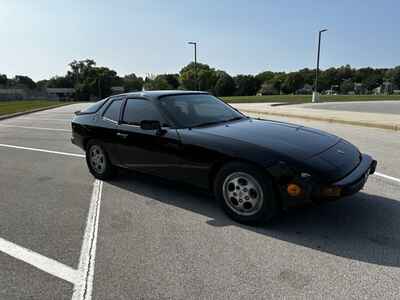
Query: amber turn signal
[294, 190]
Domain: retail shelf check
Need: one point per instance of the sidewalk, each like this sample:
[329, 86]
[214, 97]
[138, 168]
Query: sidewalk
[262, 110]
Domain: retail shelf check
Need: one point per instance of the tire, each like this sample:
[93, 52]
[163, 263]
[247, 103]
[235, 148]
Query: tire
[98, 162]
[246, 193]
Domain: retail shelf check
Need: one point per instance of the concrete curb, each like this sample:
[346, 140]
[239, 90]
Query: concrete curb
[4, 117]
[331, 120]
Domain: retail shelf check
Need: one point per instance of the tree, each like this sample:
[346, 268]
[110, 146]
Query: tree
[263, 77]
[132, 83]
[347, 86]
[22, 82]
[156, 83]
[90, 80]
[42, 84]
[225, 85]
[3, 79]
[171, 79]
[206, 76]
[60, 82]
[81, 69]
[293, 82]
[393, 76]
[246, 85]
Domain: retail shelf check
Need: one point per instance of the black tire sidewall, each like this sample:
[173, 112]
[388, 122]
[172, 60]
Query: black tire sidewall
[109, 171]
[269, 207]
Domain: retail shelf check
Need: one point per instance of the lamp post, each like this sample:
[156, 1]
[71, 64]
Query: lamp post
[99, 87]
[195, 63]
[315, 93]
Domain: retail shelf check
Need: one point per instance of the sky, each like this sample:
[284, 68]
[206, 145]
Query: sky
[39, 38]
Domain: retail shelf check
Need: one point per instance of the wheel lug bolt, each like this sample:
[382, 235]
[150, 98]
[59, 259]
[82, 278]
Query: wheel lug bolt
[247, 198]
[244, 190]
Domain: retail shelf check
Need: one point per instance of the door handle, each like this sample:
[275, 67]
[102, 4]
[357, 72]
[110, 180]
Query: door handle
[123, 135]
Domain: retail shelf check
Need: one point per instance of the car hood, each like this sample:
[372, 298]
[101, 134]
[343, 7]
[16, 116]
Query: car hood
[297, 142]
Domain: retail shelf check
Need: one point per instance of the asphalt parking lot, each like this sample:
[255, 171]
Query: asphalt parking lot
[64, 235]
[383, 107]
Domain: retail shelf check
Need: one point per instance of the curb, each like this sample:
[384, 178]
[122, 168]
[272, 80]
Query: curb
[4, 117]
[395, 127]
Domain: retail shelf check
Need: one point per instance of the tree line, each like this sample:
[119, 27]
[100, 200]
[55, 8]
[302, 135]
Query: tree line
[90, 80]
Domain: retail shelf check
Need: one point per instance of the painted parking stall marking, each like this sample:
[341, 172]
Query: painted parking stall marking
[43, 150]
[35, 128]
[82, 279]
[39, 261]
[387, 177]
[84, 287]
[46, 119]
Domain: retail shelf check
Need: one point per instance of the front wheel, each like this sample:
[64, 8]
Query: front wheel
[98, 161]
[246, 193]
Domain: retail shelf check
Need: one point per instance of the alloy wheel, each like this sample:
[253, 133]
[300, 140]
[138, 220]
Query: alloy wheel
[97, 159]
[243, 194]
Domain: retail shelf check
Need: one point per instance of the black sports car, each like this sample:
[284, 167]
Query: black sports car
[254, 167]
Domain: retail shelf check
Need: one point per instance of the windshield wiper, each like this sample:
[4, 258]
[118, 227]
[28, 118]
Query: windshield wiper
[218, 122]
[209, 123]
[234, 119]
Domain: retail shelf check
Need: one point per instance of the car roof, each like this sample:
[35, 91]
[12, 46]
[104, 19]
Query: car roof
[158, 94]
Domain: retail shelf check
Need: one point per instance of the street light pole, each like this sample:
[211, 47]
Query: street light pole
[315, 93]
[195, 64]
[99, 87]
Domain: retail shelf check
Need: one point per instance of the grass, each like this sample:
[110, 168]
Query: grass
[10, 107]
[307, 98]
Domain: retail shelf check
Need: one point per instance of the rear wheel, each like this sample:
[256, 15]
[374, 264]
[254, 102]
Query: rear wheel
[98, 161]
[245, 193]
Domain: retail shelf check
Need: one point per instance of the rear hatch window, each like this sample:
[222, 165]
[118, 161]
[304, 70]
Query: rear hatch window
[93, 108]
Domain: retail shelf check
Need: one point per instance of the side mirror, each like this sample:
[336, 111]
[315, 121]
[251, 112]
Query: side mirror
[150, 125]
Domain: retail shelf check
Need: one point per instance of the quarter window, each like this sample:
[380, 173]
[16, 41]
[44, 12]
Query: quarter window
[138, 110]
[94, 107]
[112, 112]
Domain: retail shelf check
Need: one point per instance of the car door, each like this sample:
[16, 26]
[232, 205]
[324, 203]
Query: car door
[151, 151]
[107, 124]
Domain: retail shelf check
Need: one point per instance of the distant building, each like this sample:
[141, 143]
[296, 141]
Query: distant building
[359, 88]
[307, 89]
[385, 88]
[12, 94]
[117, 90]
[60, 93]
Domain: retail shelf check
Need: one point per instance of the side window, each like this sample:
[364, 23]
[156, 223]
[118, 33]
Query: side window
[112, 112]
[137, 110]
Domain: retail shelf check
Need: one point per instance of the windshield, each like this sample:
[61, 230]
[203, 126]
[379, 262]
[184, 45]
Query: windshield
[198, 110]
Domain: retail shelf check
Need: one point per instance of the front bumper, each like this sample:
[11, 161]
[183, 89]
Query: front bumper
[356, 180]
[317, 192]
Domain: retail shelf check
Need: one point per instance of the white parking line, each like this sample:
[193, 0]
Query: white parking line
[39, 261]
[44, 119]
[36, 128]
[43, 150]
[83, 289]
[82, 279]
[387, 177]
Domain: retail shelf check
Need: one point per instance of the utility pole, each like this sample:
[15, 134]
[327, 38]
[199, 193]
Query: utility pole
[99, 87]
[195, 64]
[315, 97]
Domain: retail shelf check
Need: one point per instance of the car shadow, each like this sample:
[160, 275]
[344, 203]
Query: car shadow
[362, 227]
